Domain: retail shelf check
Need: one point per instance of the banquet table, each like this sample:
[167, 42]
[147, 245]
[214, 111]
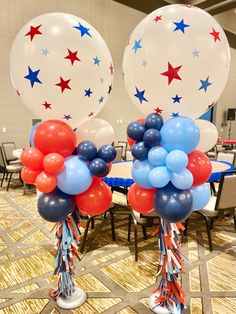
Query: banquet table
[228, 141]
[120, 174]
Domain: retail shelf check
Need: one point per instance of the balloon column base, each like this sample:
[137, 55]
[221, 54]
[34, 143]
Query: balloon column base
[155, 308]
[77, 298]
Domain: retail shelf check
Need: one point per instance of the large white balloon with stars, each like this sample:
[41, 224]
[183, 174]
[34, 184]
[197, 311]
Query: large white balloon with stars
[61, 68]
[177, 59]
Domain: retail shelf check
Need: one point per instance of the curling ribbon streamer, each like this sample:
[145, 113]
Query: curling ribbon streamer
[169, 293]
[67, 240]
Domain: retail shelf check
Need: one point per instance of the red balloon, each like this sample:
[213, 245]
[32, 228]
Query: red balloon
[200, 167]
[45, 182]
[140, 199]
[55, 136]
[96, 200]
[53, 163]
[32, 158]
[28, 175]
[129, 140]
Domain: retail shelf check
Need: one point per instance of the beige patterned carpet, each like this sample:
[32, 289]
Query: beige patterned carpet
[107, 271]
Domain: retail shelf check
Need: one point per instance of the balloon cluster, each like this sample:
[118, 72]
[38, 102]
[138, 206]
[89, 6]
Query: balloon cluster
[168, 171]
[64, 178]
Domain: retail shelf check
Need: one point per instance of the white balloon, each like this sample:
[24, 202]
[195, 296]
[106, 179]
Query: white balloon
[177, 59]
[61, 67]
[99, 131]
[208, 135]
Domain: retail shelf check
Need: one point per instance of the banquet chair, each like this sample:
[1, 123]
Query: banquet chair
[212, 154]
[148, 220]
[228, 157]
[221, 206]
[222, 156]
[8, 148]
[128, 155]
[124, 145]
[119, 152]
[90, 220]
[8, 169]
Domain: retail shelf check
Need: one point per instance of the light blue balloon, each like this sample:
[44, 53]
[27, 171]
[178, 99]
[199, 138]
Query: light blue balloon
[32, 132]
[140, 172]
[157, 156]
[75, 178]
[159, 177]
[201, 196]
[176, 160]
[182, 180]
[180, 133]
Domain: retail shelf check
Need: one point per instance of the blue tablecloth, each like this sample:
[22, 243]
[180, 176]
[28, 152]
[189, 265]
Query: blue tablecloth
[127, 182]
[215, 176]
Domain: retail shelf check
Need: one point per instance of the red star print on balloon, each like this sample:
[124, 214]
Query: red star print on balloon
[72, 56]
[158, 110]
[111, 68]
[46, 105]
[157, 18]
[34, 31]
[172, 73]
[64, 84]
[215, 34]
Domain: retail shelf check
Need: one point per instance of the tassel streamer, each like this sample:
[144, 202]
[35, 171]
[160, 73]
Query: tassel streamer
[67, 238]
[169, 293]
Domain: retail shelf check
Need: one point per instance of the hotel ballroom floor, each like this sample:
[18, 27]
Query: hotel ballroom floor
[107, 271]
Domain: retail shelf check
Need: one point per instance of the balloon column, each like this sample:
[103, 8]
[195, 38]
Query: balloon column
[62, 69]
[170, 176]
[67, 180]
[170, 61]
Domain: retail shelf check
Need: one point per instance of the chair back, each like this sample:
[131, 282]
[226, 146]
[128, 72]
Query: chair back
[119, 150]
[229, 157]
[226, 198]
[2, 160]
[129, 155]
[8, 148]
[124, 145]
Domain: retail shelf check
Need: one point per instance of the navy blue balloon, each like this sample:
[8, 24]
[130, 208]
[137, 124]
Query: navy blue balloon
[107, 153]
[99, 167]
[154, 121]
[135, 131]
[173, 204]
[139, 151]
[152, 137]
[87, 150]
[55, 206]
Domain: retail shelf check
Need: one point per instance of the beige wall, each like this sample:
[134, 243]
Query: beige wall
[228, 100]
[115, 23]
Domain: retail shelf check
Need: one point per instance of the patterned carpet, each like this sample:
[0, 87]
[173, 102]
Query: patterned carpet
[107, 271]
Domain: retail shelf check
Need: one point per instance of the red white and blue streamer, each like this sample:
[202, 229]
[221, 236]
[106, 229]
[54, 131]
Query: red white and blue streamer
[169, 293]
[67, 240]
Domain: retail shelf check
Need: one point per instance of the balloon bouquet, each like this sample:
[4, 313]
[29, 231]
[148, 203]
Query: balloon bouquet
[62, 70]
[170, 60]
[70, 184]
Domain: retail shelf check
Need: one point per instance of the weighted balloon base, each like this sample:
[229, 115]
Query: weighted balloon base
[77, 298]
[155, 307]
